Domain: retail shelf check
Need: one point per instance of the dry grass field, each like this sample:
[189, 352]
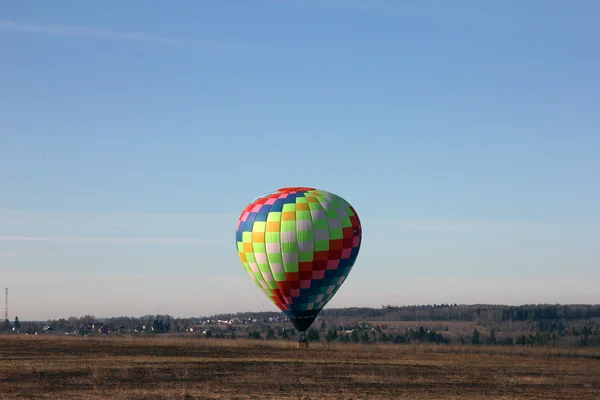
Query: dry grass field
[53, 367]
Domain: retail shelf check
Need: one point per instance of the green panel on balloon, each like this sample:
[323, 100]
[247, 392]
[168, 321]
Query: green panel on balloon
[288, 226]
[320, 224]
[275, 258]
[290, 267]
[272, 237]
[306, 256]
[274, 216]
[247, 237]
[279, 276]
[291, 247]
[336, 233]
[321, 245]
[263, 267]
[314, 205]
[303, 216]
[331, 213]
[305, 236]
[272, 285]
[289, 207]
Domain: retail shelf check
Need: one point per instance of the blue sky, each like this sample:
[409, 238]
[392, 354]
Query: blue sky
[466, 134]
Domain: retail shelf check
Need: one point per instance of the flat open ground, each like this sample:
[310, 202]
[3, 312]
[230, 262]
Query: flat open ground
[185, 368]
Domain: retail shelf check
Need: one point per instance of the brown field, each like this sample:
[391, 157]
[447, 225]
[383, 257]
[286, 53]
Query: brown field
[55, 367]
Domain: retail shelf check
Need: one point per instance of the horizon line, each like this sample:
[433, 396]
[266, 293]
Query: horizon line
[334, 308]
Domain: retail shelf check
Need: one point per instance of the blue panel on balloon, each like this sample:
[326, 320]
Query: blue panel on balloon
[261, 215]
[248, 226]
[332, 273]
[250, 218]
[278, 205]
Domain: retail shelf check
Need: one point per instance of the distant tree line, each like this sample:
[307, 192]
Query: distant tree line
[527, 325]
[6, 325]
[455, 312]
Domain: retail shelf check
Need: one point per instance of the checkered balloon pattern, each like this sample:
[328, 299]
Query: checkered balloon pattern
[298, 244]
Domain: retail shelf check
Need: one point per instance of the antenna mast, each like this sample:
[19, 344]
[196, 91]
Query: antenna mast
[6, 304]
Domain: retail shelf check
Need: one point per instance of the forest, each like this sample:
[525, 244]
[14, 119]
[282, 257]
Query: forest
[543, 324]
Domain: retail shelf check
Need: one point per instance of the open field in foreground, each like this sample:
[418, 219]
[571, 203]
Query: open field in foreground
[186, 368]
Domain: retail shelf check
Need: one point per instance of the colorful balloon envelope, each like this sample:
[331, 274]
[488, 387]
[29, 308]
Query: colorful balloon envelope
[299, 244]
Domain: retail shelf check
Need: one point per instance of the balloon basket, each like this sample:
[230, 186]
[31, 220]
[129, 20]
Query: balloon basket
[302, 344]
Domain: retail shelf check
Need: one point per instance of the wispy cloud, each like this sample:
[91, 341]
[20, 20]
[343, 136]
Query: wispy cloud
[457, 225]
[72, 30]
[107, 239]
[43, 214]
[22, 226]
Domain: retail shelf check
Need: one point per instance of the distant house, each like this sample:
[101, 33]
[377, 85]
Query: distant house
[196, 328]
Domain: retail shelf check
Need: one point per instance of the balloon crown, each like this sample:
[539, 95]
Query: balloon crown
[294, 189]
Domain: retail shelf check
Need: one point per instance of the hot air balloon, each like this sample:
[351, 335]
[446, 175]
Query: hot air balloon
[299, 244]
